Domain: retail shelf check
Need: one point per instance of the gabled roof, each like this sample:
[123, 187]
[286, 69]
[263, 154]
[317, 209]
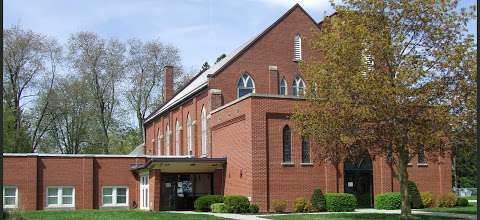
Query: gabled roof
[200, 81]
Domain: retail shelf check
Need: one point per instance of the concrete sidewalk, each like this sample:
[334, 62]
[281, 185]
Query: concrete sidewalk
[357, 211]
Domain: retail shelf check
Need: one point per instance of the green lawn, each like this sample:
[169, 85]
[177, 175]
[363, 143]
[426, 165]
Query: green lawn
[105, 215]
[470, 197]
[350, 217]
[463, 210]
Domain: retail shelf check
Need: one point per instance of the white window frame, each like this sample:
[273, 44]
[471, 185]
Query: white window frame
[189, 135]
[144, 191]
[244, 78]
[167, 140]
[286, 87]
[204, 132]
[159, 142]
[14, 206]
[296, 87]
[114, 197]
[60, 197]
[178, 130]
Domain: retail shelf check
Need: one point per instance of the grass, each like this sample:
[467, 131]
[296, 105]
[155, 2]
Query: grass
[350, 217]
[111, 214]
[471, 209]
[470, 197]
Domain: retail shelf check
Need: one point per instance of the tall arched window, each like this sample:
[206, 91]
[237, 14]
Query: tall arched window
[283, 87]
[177, 138]
[189, 134]
[167, 140]
[298, 87]
[287, 145]
[159, 141]
[204, 131]
[297, 48]
[245, 85]
[305, 150]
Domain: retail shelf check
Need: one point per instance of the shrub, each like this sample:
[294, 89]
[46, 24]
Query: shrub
[218, 208]
[391, 200]
[340, 202]
[203, 203]
[462, 202]
[279, 205]
[447, 200]
[308, 207]
[414, 196]
[318, 201]
[12, 215]
[237, 204]
[253, 208]
[299, 204]
[428, 200]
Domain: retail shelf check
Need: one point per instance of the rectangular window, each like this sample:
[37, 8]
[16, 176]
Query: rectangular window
[115, 196]
[60, 196]
[10, 197]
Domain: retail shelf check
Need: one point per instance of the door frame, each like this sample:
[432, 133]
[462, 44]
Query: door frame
[144, 191]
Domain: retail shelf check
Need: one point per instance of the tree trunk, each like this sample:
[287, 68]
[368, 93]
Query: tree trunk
[406, 211]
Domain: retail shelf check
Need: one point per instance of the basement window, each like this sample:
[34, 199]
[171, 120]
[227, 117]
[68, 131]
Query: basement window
[10, 197]
[114, 196]
[60, 197]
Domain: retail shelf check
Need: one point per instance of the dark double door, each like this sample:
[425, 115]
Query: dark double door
[179, 191]
[359, 181]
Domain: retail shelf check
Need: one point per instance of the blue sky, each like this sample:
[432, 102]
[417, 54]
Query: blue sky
[201, 29]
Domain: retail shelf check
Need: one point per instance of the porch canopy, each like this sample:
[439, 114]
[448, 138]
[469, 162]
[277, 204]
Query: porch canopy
[181, 164]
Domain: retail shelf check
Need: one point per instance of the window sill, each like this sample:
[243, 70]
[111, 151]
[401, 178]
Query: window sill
[307, 164]
[115, 206]
[288, 164]
[409, 164]
[422, 164]
[60, 207]
[10, 206]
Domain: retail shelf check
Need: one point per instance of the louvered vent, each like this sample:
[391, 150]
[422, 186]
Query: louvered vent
[297, 48]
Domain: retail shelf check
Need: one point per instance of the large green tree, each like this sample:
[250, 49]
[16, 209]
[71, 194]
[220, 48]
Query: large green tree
[383, 84]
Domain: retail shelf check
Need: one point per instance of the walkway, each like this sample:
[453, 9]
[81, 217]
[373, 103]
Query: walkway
[359, 211]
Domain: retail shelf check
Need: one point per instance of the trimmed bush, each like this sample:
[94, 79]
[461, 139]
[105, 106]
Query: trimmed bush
[237, 204]
[308, 207]
[414, 196]
[389, 201]
[340, 202]
[279, 205]
[218, 208]
[447, 200]
[299, 204]
[462, 202]
[253, 208]
[428, 199]
[203, 203]
[318, 201]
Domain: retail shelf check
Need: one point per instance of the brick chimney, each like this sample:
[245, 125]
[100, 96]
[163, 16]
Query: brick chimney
[168, 89]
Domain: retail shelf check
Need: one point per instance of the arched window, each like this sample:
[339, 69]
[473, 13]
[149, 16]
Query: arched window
[305, 150]
[298, 87]
[245, 85]
[204, 131]
[297, 48]
[159, 141]
[421, 154]
[287, 145]
[167, 140]
[177, 138]
[189, 134]
[283, 87]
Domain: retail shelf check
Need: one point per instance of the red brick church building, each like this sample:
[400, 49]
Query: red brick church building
[226, 132]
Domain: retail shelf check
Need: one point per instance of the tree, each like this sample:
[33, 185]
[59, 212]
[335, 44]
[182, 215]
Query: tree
[205, 67]
[219, 58]
[382, 85]
[145, 65]
[26, 56]
[101, 64]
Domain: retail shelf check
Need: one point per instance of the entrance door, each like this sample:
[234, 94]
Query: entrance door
[359, 181]
[144, 191]
[179, 190]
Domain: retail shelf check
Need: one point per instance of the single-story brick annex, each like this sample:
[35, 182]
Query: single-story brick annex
[226, 132]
